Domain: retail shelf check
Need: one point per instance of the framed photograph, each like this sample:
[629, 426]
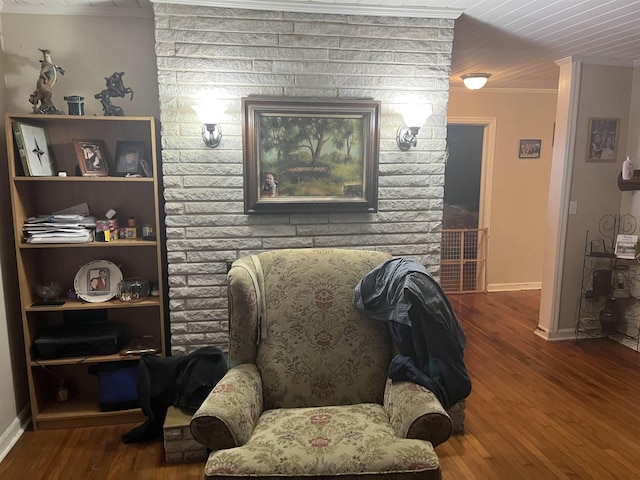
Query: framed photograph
[33, 146]
[92, 158]
[530, 148]
[310, 156]
[602, 140]
[130, 159]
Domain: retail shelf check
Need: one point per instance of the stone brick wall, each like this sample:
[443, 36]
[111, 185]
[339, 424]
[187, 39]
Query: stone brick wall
[237, 53]
[179, 444]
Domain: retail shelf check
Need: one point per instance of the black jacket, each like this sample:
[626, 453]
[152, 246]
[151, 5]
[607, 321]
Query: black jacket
[422, 324]
[183, 381]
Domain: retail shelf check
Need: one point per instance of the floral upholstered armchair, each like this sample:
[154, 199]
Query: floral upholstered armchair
[307, 394]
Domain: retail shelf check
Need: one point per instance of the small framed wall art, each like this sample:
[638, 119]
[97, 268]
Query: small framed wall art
[530, 148]
[92, 158]
[602, 139]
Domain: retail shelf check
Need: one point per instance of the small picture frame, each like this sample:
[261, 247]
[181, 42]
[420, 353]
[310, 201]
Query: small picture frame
[530, 148]
[130, 160]
[602, 138]
[98, 280]
[92, 158]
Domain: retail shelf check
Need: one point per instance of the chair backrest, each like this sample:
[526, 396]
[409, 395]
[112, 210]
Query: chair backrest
[313, 347]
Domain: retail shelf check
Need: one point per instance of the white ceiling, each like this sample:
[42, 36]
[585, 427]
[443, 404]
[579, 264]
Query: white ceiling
[517, 41]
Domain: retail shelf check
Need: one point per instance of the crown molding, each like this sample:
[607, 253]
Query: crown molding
[341, 8]
[80, 10]
[298, 6]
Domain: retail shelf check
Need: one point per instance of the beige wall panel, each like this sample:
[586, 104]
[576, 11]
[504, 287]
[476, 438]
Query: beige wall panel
[520, 187]
[89, 49]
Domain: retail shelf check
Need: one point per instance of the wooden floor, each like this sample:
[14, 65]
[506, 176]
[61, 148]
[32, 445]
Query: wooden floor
[538, 410]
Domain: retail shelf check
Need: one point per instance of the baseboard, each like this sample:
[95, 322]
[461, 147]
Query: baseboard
[11, 435]
[560, 335]
[511, 287]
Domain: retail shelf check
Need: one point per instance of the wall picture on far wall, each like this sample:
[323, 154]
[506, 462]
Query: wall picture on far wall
[603, 139]
[530, 148]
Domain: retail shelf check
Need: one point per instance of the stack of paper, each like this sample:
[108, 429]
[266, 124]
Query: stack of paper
[59, 229]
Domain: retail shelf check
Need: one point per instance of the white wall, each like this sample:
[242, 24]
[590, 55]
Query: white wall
[202, 49]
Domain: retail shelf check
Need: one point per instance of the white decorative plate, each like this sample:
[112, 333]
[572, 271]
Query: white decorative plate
[97, 281]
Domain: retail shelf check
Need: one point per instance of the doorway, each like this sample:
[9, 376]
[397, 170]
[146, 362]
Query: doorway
[462, 176]
[467, 194]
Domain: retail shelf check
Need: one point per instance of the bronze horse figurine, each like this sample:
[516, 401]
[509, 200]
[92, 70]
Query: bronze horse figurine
[115, 88]
[41, 96]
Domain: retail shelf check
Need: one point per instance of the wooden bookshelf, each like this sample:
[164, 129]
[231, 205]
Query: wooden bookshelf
[137, 197]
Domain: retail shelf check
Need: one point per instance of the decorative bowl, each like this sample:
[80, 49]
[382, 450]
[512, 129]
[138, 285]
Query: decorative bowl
[133, 289]
[49, 290]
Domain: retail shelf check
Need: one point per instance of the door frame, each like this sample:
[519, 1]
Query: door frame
[486, 170]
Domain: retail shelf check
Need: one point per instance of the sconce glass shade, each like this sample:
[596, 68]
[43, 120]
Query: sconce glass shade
[475, 81]
[414, 115]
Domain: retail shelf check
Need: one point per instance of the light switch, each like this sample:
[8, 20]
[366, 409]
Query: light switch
[573, 207]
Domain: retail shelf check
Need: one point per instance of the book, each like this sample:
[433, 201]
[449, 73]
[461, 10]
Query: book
[21, 148]
[32, 144]
[626, 246]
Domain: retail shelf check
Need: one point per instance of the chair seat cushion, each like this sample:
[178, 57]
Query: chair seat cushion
[345, 442]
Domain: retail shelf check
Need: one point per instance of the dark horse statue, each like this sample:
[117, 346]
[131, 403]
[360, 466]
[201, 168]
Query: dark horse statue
[115, 88]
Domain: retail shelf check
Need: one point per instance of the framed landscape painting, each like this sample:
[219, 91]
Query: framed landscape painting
[310, 156]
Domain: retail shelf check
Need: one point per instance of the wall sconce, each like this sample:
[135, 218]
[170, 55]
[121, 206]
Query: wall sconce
[475, 81]
[414, 115]
[209, 114]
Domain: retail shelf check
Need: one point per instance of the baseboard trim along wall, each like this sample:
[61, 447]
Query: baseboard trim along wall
[511, 287]
[560, 335]
[11, 435]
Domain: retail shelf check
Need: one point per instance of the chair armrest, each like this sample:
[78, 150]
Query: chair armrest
[227, 416]
[415, 412]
